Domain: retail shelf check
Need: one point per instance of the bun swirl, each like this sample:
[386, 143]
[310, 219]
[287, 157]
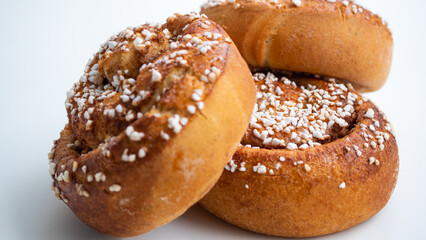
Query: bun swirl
[317, 158]
[338, 39]
[142, 143]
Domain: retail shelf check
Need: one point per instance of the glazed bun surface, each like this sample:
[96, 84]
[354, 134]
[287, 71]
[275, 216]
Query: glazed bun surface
[330, 38]
[151, 124]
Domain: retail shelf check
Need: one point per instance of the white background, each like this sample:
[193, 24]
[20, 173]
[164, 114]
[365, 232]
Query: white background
[44, 46]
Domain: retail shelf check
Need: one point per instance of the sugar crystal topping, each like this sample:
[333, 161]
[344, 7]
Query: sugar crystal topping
[344, 6]
[299, 117]
[302, 114]
[124, 91]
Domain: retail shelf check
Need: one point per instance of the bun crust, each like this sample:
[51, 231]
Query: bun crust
[151, 125]
[312, 183]
[334, 39]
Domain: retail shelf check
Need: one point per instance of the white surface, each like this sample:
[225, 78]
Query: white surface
[44, 48]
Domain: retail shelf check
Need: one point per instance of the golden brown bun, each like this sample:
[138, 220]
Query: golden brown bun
[318, 37]
[126, 165]
[331, 184]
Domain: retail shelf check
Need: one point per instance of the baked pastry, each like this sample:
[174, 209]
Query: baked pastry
[317, 157]
[151, 124]
[330, 38]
